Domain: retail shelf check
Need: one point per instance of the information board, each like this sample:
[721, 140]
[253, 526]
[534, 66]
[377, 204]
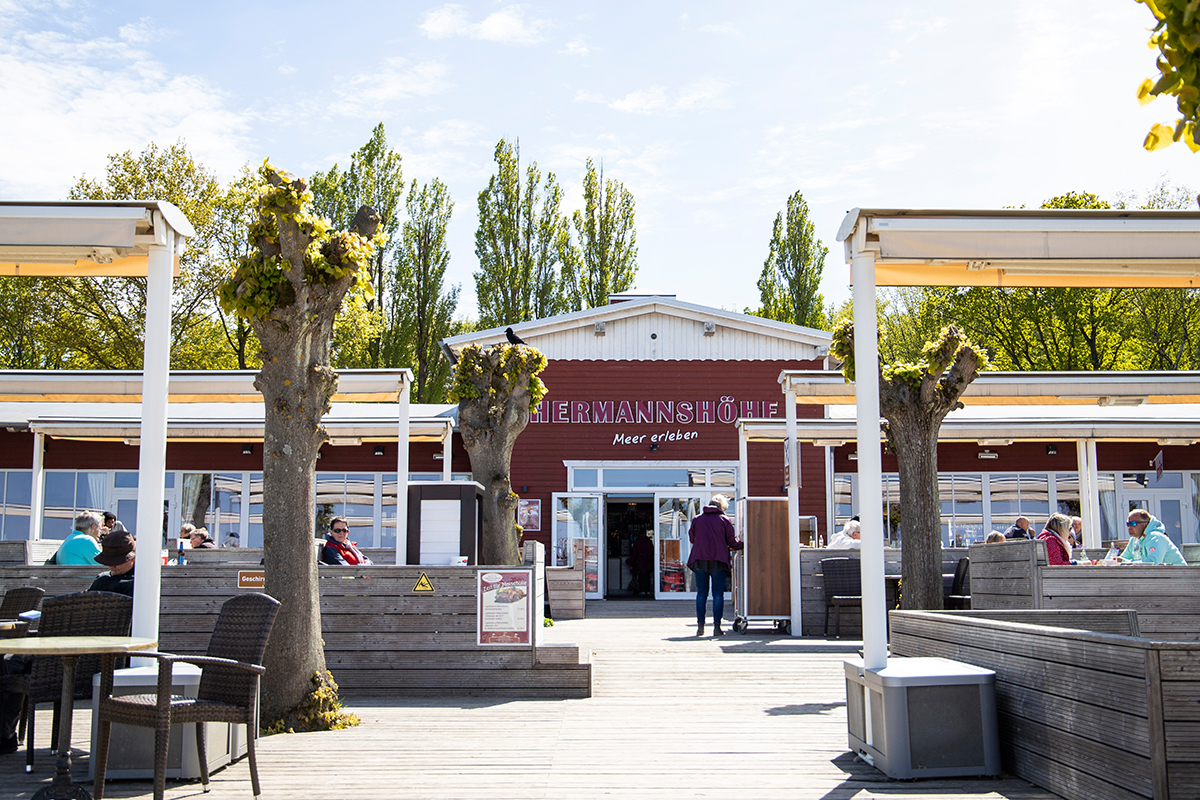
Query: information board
[505, 607]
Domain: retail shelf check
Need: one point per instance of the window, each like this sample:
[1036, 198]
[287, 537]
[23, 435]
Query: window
[66, 495]
[16, 495]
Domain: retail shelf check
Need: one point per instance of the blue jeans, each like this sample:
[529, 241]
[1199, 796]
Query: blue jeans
[718, 592]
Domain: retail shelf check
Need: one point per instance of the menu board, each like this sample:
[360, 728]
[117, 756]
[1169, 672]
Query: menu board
[505, 607]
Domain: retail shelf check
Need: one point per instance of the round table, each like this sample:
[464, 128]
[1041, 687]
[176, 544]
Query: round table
[70, 648]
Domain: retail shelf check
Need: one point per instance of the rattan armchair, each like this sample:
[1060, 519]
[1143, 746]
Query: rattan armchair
[842, 579]
[228, 691]
[77, 614]
[16, 602]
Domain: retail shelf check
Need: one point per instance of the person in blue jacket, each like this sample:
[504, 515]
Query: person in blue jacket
[1148, 542]
[84, 542]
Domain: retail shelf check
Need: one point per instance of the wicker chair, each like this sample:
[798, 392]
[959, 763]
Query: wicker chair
[18, 601]
[843, 588]
[228, 691]
[960, 591]
[78, 614]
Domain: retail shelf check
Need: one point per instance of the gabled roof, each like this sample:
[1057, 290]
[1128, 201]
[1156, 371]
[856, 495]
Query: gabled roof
[657, 327]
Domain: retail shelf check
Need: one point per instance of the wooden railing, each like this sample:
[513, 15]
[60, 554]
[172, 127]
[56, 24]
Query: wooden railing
[1083, 712]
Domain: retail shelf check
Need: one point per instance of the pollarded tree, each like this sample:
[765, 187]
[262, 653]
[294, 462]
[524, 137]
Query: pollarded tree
[291, 288]
[914, 398]
[496, 388]
[1177, 37]
[791, 276]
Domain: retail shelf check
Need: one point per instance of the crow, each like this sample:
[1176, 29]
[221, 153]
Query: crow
[512, 337]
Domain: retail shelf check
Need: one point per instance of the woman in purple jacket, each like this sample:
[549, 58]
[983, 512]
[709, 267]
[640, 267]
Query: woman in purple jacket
[712, 537]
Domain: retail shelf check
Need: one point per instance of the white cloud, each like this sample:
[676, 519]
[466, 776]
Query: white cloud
[699, 96]
[725, 29]
[286, 69]
[506, 26]
[398, 80]
[80, 99]
[453, 133]
[140, 32]
[577, 47]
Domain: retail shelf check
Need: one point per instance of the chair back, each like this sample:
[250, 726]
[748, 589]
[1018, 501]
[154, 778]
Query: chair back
[842, 577]
[19, 600]
[962, 578]
[241, 633]
[77, 614]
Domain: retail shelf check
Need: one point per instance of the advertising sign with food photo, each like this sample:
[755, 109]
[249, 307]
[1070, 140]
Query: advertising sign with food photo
[505, 597]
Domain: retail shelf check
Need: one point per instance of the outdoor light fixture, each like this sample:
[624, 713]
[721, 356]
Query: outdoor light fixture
[378, 449]
[995, 442]
[524, 489]
[654, 446]
[988, 454]
[439, 456]
[853, 456]
[247, 449]
[1051, 449]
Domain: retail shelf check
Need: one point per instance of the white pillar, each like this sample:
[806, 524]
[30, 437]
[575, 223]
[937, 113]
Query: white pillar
[1085, 490]
[447, 452]
[37, 490]
[1092, 533]
[402, 473]
[743, 484]
[793, 460]
[152, 452]
[870, 462]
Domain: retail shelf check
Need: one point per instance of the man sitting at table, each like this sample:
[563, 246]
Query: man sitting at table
[83, 543]
[848, 538]
[117, 555]
[1148, 542]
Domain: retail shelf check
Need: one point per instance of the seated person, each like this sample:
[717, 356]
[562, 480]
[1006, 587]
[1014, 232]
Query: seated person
[1148, 542]
[117, 554]
[848, 538]
[995, 537]
[201, 540]
[1057, 536]
[1019, 529]
[84, 542]
[337, 549]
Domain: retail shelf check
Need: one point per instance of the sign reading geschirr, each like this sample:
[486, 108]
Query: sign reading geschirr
[251, 579]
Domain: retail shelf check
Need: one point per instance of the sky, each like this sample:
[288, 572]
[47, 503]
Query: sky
[711, 114]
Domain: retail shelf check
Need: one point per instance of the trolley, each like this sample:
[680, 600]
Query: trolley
[741, 602]
[761, 573]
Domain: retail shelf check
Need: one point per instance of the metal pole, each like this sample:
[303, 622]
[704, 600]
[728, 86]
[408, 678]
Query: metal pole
[152, 452]
[447, 451]
[870, 462]
[1092, 532]
[37, 491]
[402, 473]
[789, 408]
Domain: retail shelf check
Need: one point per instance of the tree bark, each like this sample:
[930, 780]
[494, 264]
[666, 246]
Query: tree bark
[914, 438]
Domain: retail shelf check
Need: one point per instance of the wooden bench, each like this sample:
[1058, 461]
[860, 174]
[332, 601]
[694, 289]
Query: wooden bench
[382, 638]
[1015, 574]
[1083, 713]
[23, 551]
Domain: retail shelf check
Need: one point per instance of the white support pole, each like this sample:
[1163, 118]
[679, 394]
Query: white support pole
[870, 462]
[743, 484]
[1092, 533]
[447, 452]
[152, 452]
[402, 473]
[37, 490]
[789, 408]
[1085, 491]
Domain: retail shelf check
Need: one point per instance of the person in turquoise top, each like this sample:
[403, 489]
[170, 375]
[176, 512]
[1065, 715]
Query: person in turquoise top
[1148, 542]
[83, 545]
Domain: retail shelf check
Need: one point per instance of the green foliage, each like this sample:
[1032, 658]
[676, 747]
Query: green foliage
[937, 355]
[320, 711]
[260, 283]
[520, 243]
[605, 260]
[474, 374]
[1076, 200]
[791, 275]
[1176, 34]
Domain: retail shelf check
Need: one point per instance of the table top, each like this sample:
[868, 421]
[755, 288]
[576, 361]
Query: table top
[75, 645]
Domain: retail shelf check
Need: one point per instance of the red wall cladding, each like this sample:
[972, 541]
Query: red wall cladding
[583, 390]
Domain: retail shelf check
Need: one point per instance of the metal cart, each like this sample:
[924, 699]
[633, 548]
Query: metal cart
[743, 613]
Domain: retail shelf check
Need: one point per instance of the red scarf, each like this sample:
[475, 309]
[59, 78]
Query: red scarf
[347, 550]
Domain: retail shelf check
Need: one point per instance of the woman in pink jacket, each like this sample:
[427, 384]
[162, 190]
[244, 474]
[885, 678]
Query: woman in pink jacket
[712, 537]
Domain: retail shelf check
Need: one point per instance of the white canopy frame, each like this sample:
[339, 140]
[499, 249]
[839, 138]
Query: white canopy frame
[1017, 247]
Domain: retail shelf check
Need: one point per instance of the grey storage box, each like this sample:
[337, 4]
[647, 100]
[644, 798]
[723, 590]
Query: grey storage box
[131, 749]
[924, 717]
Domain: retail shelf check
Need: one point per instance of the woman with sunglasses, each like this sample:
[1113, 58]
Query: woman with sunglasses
[337, 549]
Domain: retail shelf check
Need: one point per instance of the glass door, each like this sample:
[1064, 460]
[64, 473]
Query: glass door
[674, 513]
[578, 521]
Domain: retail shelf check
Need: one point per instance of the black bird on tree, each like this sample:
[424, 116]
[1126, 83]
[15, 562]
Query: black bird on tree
[512, 337]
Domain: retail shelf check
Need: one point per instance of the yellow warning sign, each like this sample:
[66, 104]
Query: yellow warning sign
[423, 584]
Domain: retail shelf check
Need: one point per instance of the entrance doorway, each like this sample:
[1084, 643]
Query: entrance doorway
[630, 546]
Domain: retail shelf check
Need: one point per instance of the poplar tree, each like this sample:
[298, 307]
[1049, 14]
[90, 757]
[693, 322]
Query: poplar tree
[605, 259]
[520, 243]
[791, 275]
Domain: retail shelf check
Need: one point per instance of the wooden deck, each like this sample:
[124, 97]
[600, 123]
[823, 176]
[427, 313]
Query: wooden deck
[672, 716]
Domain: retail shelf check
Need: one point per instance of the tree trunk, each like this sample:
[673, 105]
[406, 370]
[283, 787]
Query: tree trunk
[915, 442]
[296, 391]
